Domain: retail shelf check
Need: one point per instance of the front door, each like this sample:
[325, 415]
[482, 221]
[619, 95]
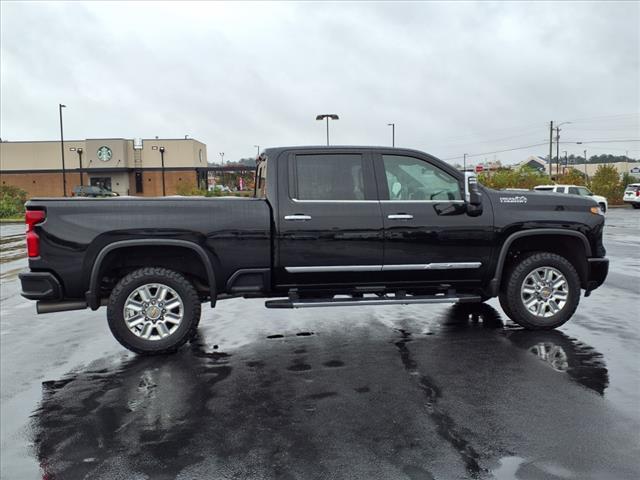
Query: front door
[330, 228]
[428, 235]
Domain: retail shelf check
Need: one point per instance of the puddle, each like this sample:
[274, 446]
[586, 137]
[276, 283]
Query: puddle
[508, 468]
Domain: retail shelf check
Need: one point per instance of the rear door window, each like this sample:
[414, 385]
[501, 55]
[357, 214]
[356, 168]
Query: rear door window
[329, 177]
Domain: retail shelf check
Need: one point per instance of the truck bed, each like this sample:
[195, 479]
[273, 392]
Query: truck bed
[234, 231]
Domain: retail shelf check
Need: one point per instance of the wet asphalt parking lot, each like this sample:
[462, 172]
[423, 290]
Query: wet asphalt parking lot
[397, 392]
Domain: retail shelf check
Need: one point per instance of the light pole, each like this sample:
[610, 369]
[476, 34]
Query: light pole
[222, 158]
[258, 147]
[585, 165]
[566, 160]
[327, 116]
[393, 133]
[79, 150]
[64, 174]
[164, 191]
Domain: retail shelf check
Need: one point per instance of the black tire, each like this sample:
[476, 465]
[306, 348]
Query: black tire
[185, 330]
[510, 296]
[635, 205]
[603, 207]
[504, 304]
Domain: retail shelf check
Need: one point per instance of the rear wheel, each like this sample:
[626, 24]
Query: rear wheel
[635, 205]
[542, 291]
[153, 311]
[603, 207]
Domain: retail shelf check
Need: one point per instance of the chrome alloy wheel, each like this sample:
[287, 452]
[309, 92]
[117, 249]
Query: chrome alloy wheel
[153, 311]
[544, 292]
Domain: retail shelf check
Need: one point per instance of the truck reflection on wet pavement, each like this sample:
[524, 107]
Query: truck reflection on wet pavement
[415, 392]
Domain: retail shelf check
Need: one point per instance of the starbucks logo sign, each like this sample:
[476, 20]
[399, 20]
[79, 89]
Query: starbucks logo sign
[104, 154]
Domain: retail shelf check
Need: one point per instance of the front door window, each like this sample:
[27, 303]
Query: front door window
[410, 179]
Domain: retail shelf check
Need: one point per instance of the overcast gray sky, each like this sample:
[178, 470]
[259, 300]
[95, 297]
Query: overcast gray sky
[454, 77]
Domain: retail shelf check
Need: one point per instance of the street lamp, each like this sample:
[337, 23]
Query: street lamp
[393, 133]
[64, 174]
[222, 158]
[585, 161]
[566, 159]
[258, 147]
[327, 116]
[79, 150]
[164, 191]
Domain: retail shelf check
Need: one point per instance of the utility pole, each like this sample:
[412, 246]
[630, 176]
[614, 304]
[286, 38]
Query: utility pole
[550, 147]
[393, 133]
[566, 161]
[258, 147]
[464, 163]
[222, 158]
[557, 150]
[64, 173]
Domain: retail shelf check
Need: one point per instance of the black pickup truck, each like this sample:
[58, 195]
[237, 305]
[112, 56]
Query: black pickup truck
[327, 226]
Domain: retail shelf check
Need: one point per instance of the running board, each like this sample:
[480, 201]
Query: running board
[394, 300]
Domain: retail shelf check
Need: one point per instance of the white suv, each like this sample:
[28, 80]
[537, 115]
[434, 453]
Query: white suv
[575, 190]
[632, 195]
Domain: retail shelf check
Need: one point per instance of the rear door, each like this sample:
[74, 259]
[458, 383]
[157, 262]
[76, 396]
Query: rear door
[329, 221]
[428, 235]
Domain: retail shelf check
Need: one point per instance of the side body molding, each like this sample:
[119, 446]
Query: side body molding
[494, 285]
[92, 294]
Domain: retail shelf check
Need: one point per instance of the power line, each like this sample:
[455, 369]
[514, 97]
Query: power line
[537, 145]
[528, 133]
[603, 141]
[497, 151]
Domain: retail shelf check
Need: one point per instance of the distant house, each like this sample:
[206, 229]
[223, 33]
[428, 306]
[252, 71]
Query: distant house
[535, 162]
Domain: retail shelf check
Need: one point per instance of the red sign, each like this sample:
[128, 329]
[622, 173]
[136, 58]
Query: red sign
[479, 168]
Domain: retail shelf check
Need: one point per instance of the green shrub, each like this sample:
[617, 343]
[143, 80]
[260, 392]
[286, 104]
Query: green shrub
[12, 201]
[513, 178]
[606, 182]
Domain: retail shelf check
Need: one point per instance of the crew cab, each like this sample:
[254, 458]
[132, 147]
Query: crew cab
[575, 190]
[327, 226]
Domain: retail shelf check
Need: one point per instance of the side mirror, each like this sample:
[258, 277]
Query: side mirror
[472, 195]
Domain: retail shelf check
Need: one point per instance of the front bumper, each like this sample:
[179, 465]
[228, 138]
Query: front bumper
[597, 273]
[40, 286]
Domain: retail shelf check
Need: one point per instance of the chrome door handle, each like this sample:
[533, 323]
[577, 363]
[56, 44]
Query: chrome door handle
[297, 217]
[400, 216]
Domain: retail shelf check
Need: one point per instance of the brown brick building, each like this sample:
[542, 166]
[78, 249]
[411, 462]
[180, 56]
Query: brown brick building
[124, 166]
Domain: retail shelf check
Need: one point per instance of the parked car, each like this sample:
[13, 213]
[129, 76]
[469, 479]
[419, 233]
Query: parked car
[632, 195]
[92, 191]
[328, 226]
[575, 190]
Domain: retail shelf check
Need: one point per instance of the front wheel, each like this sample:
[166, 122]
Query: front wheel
[153, 311]
[542, 291]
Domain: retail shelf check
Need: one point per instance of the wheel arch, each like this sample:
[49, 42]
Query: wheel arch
[93, 293]
[577, 256]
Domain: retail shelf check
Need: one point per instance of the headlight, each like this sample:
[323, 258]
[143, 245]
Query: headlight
[596, 210]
